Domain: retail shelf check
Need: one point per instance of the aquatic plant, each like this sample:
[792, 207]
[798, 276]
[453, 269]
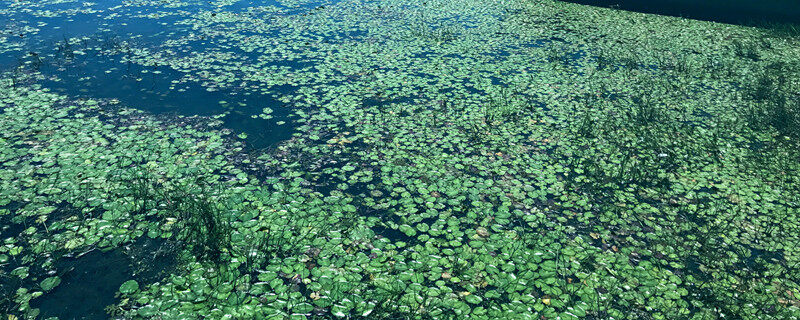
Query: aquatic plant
[603, 60]
[671, 61]
[436, 33]
[435, 174]
[746, 49]
[141, 186]
[783, 30]
[275, 243]
[504, 105]
[559, 54]
[204, 225]
[64, 48]
[773, 105]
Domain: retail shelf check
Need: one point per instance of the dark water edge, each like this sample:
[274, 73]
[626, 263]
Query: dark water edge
[741, 12]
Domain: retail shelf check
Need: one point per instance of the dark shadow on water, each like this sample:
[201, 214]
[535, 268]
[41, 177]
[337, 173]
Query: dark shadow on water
[727, 11]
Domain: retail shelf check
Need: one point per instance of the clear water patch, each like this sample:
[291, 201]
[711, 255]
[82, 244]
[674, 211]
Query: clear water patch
[97, 275]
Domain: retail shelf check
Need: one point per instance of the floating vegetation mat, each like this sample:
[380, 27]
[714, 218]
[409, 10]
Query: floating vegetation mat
[386, 159]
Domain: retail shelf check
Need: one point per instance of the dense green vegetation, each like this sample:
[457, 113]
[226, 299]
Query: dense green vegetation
[453, 159]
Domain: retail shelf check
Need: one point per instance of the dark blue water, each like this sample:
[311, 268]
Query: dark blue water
[726, 11]
[95, 277]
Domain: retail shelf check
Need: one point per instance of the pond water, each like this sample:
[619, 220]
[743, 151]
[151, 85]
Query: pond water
[388, 159]
[736, 12]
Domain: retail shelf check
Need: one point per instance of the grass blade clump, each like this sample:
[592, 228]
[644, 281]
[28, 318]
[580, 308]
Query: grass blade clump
[773, 102]
[205, 229]
[199, 213]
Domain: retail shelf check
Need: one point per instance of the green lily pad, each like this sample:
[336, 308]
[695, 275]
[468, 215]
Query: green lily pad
[50, 283]
[129, 287]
